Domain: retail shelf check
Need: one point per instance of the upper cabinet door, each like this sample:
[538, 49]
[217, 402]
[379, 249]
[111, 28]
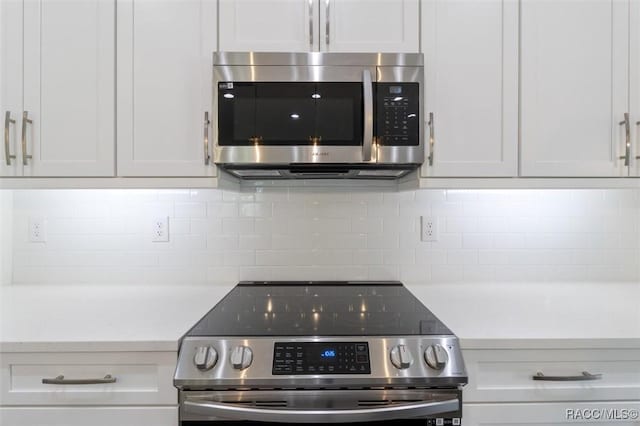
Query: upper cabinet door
[370, 26]
[67, 124]
[635, 87]
[268, 25]
[10, 85]
[574, 87]
[165, 51]
[471, 76]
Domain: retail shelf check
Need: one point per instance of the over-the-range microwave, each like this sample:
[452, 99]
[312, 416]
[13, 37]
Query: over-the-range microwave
[318, 115]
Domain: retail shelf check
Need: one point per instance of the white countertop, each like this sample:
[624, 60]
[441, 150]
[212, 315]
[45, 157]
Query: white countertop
[101, 318]
[536, 315]
[153, 318]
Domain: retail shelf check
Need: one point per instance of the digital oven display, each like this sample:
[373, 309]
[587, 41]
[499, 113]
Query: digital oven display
[321, 358]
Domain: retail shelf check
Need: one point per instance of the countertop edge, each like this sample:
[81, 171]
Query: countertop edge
[465, 344]
[549, 343]
[87, 346]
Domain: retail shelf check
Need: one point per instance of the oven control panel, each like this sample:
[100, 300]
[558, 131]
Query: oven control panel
[321, 358]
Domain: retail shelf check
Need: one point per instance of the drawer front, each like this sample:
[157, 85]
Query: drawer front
[94, 416]
[141, 378]
[507, 375]
[552, 414]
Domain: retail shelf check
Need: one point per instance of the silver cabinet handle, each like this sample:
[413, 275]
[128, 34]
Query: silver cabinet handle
[311, 24]
[327, 28]
[7, 148]
[367, 134]
[399, 411]
[627, 147]
[25, 120]
[638, 156]
[207, 122]
[584, 377]
[432, 138]
[60, 380]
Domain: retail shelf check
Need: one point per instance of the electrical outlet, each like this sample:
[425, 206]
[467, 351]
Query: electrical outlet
[160, 230]
[37, 230]
[428, 228]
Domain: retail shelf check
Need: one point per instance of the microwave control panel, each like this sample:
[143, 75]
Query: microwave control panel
[398, 114]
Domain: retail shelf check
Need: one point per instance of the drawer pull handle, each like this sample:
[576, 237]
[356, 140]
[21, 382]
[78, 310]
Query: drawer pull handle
[60, 380]
[585, 376]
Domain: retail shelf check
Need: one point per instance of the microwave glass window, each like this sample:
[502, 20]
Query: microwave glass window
[289, 113]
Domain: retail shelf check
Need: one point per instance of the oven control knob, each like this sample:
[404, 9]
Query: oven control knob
[401, 357]
[436, 357]
[241, 357]
[205, 357]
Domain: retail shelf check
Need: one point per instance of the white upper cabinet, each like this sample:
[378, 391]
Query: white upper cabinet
[370, 26]
[471, 79]
[10, 85]
[165, 50]
[268, 25]
[59, 80]
[319, 25]
[574, 87]
[634, 91]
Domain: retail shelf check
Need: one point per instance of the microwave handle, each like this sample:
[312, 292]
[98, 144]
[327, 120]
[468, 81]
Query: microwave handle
[367, 134]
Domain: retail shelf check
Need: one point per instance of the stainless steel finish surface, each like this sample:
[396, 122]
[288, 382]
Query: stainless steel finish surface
[310, 24]
[25, 120]
[627, 145]
[432, 138]
[367, 90]
[327, 18]
[207, 123]
[335, 406]
[401, 357]
[259, 373]
[7, 148]
[286, 73]
[310, 173]
[584, 377]
[60, 380]
[285, 155]
[318, 59]
[205, 357]
[436, 357]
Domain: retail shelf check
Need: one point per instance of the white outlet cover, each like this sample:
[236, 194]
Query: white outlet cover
[37, 229]
[160, 230]
[428, 228]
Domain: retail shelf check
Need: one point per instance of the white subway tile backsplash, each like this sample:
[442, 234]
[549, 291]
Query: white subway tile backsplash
[319, 233]
[191, 210]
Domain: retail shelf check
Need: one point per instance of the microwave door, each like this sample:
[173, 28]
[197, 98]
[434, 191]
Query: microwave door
[296, 122]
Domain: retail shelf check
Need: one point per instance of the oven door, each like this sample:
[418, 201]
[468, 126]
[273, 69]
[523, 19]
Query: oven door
[275, 115]
[321, 406]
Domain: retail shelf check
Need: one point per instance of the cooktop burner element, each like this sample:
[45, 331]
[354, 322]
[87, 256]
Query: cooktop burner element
[320, 347]
[319, 309]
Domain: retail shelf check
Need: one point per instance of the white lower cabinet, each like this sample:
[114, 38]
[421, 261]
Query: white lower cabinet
[552, 414]
[85, 416]
[81, 388]
[502, 389]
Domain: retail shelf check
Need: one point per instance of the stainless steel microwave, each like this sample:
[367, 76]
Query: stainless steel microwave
[318, 115]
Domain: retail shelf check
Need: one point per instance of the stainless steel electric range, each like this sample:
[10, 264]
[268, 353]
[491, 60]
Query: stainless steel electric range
[320, 352]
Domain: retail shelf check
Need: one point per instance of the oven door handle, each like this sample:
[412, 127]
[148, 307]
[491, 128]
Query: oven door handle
[367, 134]
[399, 411]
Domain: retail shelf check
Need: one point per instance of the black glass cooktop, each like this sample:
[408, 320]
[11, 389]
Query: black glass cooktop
[319, 309]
